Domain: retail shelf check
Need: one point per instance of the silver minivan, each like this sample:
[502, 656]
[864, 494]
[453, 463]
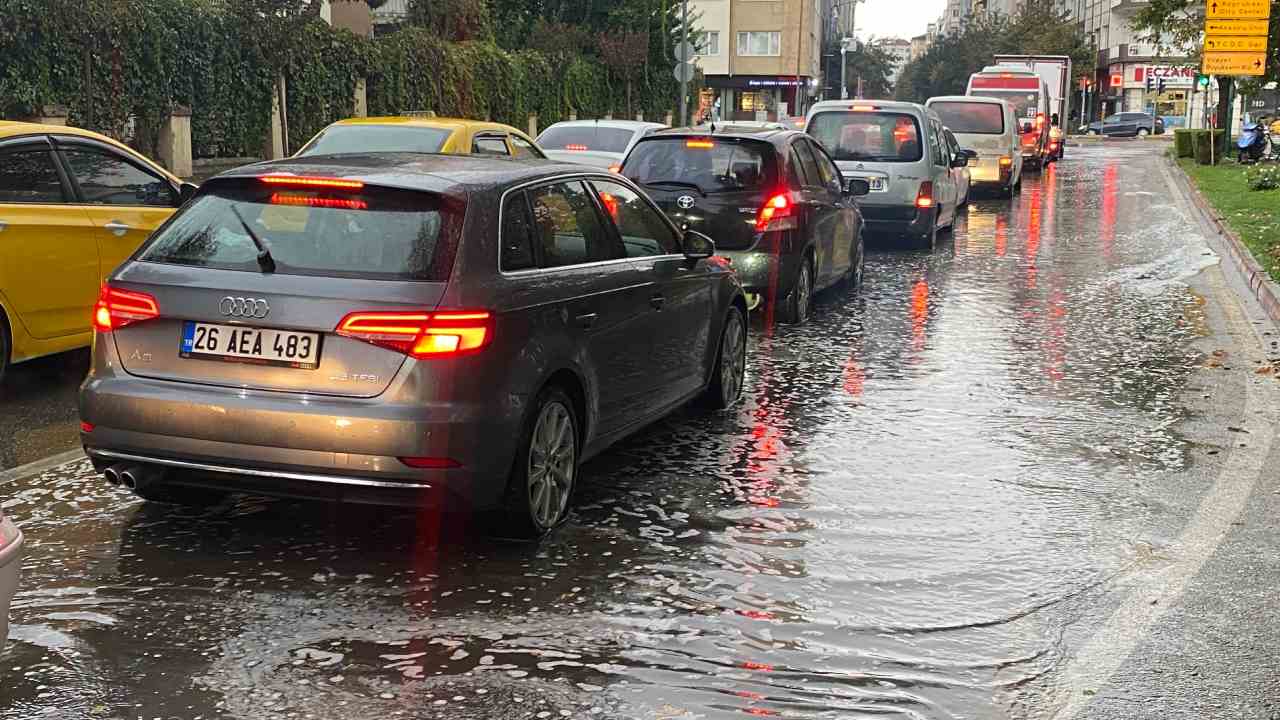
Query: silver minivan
[988, 127]
[900, 150]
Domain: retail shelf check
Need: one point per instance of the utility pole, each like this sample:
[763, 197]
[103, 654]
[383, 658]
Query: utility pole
[684, 84]
[844, 66]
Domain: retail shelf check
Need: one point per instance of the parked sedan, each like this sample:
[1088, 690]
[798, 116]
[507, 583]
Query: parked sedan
[368, 328]
[773, 201]
[10, 561]
[599, 143]
[73, 205]
[1127, 124]
[421, 134]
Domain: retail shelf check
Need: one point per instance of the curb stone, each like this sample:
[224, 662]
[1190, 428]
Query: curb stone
[1260, 282]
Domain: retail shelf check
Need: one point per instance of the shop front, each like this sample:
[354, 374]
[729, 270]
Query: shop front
[754, 97]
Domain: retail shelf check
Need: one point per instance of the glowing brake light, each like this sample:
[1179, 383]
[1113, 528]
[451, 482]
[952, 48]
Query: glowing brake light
[776, 214]
[116, 308]
[1006, 161]
[320, 182]
[700, 144]
[307, 201]
[863, 108]
[421, 334]
[576, 147]
[924, 198]
[1039, 120]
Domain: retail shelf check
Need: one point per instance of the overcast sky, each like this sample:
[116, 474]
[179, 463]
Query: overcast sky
[897, 18]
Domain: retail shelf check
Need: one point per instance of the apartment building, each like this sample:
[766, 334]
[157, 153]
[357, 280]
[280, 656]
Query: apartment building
[955, 15]
[900, 51]
[759, 58]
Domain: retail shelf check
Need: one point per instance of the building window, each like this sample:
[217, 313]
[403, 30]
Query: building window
[710, 44]
[759, 43]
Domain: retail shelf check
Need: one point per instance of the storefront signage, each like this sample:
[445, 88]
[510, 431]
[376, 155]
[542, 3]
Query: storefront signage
[1174, 76]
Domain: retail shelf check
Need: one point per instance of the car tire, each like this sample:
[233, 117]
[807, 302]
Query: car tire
[6, 345]
[196, 497]
[1143, 132]
[729, 374]
[860, 266]
[1093, 133]
[795, 309]
[537, 498]
[927, 240]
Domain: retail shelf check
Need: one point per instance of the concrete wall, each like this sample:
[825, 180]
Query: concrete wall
[714, 17]
[798, 22]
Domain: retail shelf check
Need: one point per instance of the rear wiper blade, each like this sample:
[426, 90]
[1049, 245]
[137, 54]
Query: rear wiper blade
[265, 261]
[674, 183]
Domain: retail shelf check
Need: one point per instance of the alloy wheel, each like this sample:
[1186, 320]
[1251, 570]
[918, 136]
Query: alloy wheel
[733, 358]
[553, 457]
[803, 293]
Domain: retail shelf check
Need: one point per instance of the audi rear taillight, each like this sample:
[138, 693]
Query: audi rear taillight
[116, 308]
[776, 214]
[421, 334]
[924, 197]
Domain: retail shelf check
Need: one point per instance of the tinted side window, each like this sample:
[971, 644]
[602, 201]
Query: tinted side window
[808, 169]
[827, 170]
[490, 145]
[28, 176]
[935, 145]
[567, 228]
[644, 232]
[523, 148]
[105, 179]
[517, 234]
[796, 178]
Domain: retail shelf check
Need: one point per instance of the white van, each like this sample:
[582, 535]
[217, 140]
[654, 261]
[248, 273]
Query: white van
[988, 127]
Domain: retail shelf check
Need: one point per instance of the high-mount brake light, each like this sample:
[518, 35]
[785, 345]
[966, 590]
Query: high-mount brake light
[313, 182]
[576, 147]
[307, 201]
[116, 308]
[421, 334]
[863, 108]
[700, 144]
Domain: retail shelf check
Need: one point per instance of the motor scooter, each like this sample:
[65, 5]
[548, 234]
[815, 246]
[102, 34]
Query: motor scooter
[1253, 143]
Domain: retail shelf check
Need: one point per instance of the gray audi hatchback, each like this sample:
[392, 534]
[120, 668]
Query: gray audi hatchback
[404, 329]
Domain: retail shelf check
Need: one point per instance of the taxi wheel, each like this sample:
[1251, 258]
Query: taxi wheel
[6, 345]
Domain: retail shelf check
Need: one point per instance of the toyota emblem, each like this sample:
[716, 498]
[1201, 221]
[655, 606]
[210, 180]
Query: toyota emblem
[685, 202]
[241, 307]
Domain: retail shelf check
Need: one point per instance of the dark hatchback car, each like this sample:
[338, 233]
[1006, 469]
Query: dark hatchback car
[381, 328]
[1127, 124]
[773, 201]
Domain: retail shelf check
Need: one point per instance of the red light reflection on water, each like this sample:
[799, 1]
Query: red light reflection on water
[919, 314]
[1107, 232]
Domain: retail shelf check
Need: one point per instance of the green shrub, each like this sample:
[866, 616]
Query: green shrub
[1183, 146]
[1263, 176]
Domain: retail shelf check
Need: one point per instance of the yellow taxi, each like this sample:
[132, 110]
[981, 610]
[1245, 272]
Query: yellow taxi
[73, 205]
[423, 134]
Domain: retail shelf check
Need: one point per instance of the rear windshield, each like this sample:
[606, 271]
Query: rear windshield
[868, 136]
[371, 233]
[971, 118]
[1025, 103]
[711, 164]
[585, 137]
[340, 139]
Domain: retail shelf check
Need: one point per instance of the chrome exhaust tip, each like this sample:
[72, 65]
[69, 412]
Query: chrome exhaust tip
[129, 477]
[112, 475]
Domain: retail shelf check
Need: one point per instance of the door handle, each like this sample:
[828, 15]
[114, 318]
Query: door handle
[117, 228]
[657, 301]
[586, 320]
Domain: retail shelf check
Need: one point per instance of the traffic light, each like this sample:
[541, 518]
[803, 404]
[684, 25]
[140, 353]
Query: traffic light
[1202, 80]
[1160, 86]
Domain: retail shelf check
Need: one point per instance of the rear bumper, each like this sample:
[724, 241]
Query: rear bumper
[767, 274]
[898, 219]
[294, 445]
[10, 566]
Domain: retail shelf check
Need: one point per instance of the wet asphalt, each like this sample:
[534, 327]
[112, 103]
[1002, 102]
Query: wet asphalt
[1028, 475]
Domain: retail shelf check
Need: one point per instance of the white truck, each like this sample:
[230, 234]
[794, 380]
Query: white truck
[1055, 70]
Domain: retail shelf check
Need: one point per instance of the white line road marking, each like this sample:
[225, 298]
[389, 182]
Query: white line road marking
[1156, 590]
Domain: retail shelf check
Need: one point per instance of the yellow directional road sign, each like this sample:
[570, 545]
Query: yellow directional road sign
[1223, 43]
[1235, 27]
[1238, 9]
[1234, 63]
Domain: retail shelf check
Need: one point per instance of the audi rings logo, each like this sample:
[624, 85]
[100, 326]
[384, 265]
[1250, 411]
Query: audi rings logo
[241, 307]
[685, 201]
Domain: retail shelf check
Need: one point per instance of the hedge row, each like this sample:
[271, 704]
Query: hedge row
[119, 67]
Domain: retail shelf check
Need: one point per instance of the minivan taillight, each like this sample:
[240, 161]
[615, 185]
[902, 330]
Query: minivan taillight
[924, 197]
[776, 214]
[421, 334]
[116, 308]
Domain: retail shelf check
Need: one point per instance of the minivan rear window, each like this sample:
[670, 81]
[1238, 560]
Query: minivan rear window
[366, 138]
[373, 233]
[868, 136]
[971, 118]
[712, 164]
[585, 137]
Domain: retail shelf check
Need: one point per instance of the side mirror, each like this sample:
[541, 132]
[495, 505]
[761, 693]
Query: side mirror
[698, 246]
[971, 154]
[186, 191]
[960, 161]
[858, 187]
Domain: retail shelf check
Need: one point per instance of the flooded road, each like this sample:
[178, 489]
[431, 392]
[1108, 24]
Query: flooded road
[933, 492]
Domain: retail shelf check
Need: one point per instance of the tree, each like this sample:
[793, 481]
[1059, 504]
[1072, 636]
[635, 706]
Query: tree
[456, 20]
[624, 54]
[868, 63]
